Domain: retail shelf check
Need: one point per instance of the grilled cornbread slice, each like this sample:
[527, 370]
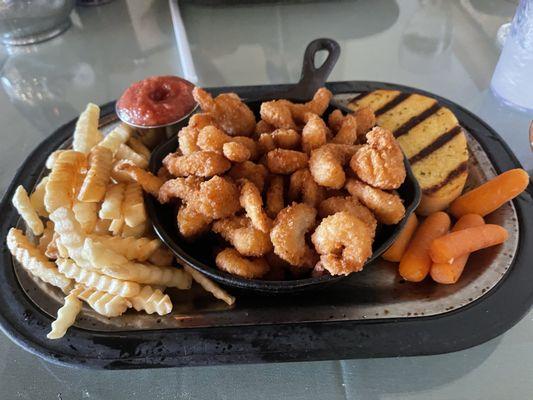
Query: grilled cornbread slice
[430, 137]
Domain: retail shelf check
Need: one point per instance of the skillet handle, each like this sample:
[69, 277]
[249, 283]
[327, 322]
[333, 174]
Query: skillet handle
[313, 78]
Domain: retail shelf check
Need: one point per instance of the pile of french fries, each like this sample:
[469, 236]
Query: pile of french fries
[95, 241]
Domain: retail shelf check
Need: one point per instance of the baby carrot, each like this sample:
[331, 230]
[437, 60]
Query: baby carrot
[395, 252]
[450, 273]
[447, 248]
[492, 194]
[416, 262]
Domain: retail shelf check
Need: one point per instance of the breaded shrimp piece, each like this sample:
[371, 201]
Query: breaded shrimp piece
[236, 149]
[278, 114]
[231, 261]
[380, 162]
[365, 120]
[252, 203]
[255, 173]
[288, 234]
[246, 239]
[228, 111]
[263, 127]
[314, 133]
[335, 120]
[275, 201]
[181, 188]
[200, 163]
[335, 204]
[187, 138]
[236, 152]
[201, 120]
[327, 164]
[387, 207]
[320, 101]
[302, 187]
[285, 162]
[347, 133]
[343, 242]
[249, 143]
[191, 223]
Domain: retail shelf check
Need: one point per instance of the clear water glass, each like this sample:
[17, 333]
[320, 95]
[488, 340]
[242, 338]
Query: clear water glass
[513, 77]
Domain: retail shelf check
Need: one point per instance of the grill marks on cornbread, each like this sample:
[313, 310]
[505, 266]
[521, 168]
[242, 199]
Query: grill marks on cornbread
[402, 113]
[454, 173]
[436, 144]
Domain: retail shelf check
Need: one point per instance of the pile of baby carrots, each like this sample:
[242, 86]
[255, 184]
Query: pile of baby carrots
[432, 248]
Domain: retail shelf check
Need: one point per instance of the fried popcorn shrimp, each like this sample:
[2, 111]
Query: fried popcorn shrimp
[333, 205]
[192, 223]
[22, 203]
[200, 163]
[246, 239]
[187, 139]
[314, 133]
[96, 179]
[249, 143]
[213, 139]
[182, 188]
[275, 201]
[285, 162]
[229, 112]
[286, 138]
[326, 164]
[266, 143]
[347, 133]
[251, 201]
[288, 234]
[201, 120]
[62, 180]
[335, 120]
[278, 114]
[320, 101]
[380, 162]
[344, 243]
[231, 261]
[387, 207]
[148, 181]
[263, 127]
[365, 120]
[303, 187]
[255, 173]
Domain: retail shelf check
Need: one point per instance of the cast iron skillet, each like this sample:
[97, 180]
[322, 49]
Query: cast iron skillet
[200, 254]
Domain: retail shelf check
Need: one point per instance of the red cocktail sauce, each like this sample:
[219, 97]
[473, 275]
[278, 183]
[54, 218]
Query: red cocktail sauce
[157, 100]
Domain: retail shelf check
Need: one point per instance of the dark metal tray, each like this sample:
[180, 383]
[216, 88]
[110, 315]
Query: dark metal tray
[359, 317]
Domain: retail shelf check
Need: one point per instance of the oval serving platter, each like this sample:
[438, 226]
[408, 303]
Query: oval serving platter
[376, 294]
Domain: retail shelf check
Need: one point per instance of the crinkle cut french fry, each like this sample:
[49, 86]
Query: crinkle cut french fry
[150, 274]
[97, 281]
[116, 226]
[152, 301]
[102, 226]
[210, 286]
[34, 261]
[95, 182]
[70, 233]
[133, 205]
[106, 304]
[52, 158]
[47, 236]
[139, 147]
[62, 180]
[136, 231]
[133, 249]
[22, 203]
[37, 197]
[162, 256]
[118, 175]
[86, 214]
[116, 137]
[86, 134]
[99, 255]
[125, 152]
[112, 205]
[66, 315]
